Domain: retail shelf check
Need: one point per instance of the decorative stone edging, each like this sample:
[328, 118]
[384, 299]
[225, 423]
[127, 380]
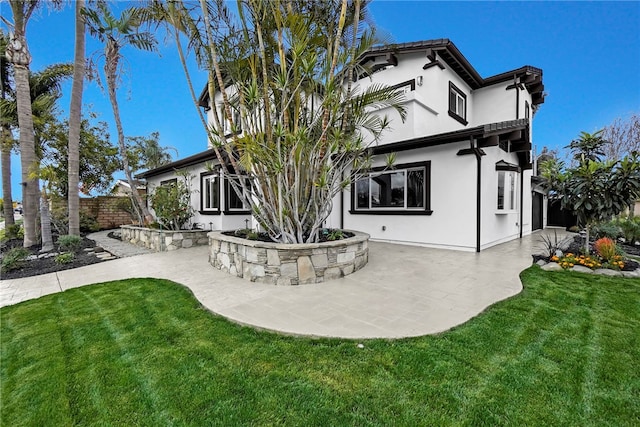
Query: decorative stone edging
[163, 240]
[554, 266]
[288, 264]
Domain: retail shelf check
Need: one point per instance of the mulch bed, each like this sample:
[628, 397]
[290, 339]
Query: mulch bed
[48, 265]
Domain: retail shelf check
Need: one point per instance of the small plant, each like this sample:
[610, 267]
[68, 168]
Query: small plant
[630, 230]
[334, 235]
[88, 223]
[172, 205]
[569, 260]
[69, 243]
[551, 245]
[606, 248]
[64, 258]
[615, 263]
[14, 231]
[14, 259]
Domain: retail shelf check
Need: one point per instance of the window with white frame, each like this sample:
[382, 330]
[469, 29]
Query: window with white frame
[457, 104]
[506, 190]
[226, 124]
[210, 192]
[403, 189]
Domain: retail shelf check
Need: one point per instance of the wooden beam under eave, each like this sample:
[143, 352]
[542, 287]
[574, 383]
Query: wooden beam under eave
[431, 54]
[391, 59]
[491, 141]
[520, 146]
[515, 135]
[536, 88]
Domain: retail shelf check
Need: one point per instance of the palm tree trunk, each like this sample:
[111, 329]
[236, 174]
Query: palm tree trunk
[45, 223]
[7, 197]
[75, 118]
[111, 65]
[28, 157]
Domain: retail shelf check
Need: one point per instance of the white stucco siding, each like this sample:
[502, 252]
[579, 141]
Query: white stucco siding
[427, 106]
[452, 185]
[494, 104]
[502, 225]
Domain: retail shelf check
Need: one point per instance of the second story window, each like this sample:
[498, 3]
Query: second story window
[457, 104]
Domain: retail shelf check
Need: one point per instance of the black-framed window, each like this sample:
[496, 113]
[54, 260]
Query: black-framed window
[166, 182]
[210, 193]
[234, 204]
[526, 110]
[402, 190]
[457, 104]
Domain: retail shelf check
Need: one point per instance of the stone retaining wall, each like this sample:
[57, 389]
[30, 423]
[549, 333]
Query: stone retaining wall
[288, 264]
[163, 240]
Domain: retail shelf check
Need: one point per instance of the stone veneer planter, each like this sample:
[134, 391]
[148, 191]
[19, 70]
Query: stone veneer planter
[163, 240]
[288, 264]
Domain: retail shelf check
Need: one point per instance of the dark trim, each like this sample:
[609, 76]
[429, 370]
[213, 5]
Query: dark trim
[452, 113]
[187, 161]
[411, 83]
[228, 211]
[170, 181]
[426, 210]
[202, 192]
[433, 64]
[390, 212]
[504, 166]
[478, 199]
[527, 110]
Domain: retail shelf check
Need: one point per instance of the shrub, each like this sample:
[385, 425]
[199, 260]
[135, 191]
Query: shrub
[606, 229]
[606, 248]
[69, 243]
[14, 231]
[88, 223]
[630, 230]
[64, 258]
[14, 259]
[172, 205]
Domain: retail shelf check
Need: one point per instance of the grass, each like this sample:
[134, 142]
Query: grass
[144, 352]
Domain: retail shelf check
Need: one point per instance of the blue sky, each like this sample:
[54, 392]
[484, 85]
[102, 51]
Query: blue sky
[589, 53]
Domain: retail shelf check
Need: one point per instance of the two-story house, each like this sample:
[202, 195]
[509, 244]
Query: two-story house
[462, 176]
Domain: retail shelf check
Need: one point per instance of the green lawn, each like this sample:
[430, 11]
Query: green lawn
[143, 352]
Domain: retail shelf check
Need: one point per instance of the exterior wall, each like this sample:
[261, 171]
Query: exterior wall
[428, 105]
[498, 227]
[163, 240]
[206, 221]
[288, 264]
[452, 224]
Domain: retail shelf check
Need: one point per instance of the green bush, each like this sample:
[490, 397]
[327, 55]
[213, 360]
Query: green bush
[14, 259]
[69, 243]
[88, 223]
[64, 258]
[172, 205]
[629, 229]
[608, 229]
[14, 231]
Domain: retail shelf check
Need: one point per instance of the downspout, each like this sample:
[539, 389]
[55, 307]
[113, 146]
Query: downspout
[478, 195]
[521, 199]
[342, 204]
[515, 83]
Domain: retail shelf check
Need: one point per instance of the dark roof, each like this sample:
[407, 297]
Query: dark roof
[187, 161]
[529, 76]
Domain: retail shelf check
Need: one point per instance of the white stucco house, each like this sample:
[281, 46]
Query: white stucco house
[463, 173]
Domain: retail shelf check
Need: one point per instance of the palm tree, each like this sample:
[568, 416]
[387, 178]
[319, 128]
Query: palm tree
[147, 153]
[116, 33]
[18, 54]
[6, 141]
[75, 120]
[45, 89]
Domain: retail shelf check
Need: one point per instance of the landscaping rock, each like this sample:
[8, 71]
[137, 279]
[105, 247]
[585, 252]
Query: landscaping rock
[607, 272]
[581, 269]
[306, 272]
[632, 274]
[552, 266]
[541, 262]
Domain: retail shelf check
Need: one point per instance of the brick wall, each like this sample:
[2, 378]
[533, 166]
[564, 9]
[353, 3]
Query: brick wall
[106, 209]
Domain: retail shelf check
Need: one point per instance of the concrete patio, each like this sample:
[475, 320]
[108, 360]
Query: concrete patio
[404, 291]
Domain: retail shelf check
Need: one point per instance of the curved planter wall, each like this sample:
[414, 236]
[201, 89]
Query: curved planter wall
[288, 264]
[163, 240]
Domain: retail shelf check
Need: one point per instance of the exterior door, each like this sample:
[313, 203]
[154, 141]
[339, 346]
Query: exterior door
[537, 201]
